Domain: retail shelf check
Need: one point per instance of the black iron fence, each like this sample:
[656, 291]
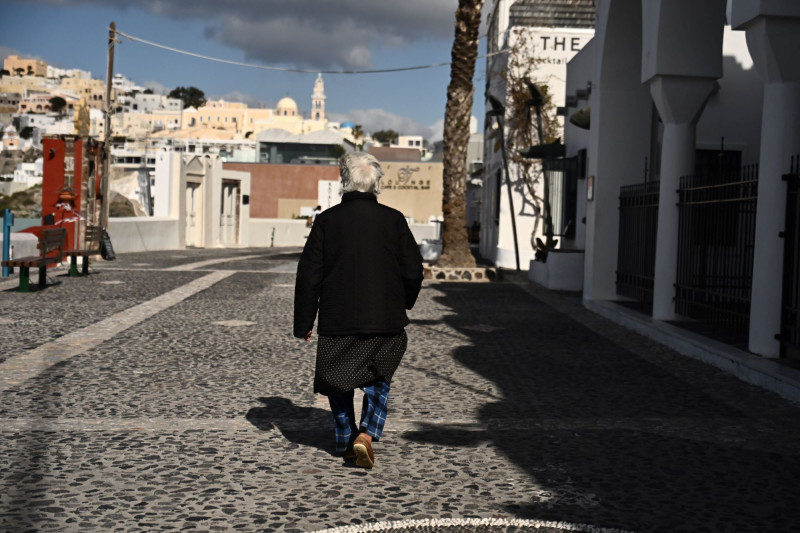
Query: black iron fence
[717, 220]
[636, 256]
[790, 319]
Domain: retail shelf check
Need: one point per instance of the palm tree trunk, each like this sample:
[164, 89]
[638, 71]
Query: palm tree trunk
[455, 241]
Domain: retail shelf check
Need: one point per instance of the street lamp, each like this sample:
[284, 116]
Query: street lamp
[499, 112]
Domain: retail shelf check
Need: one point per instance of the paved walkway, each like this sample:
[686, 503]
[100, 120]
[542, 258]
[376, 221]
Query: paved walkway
[165, 392]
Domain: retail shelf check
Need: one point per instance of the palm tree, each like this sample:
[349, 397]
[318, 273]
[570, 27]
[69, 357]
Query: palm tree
[358, 134]
[455, 239]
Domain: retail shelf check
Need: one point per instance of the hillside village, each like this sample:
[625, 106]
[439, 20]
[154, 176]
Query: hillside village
[38, 100]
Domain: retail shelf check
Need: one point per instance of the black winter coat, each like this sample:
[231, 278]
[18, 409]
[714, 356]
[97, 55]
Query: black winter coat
[360, 267]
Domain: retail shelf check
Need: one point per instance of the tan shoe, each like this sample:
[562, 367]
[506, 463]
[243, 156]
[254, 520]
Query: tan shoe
[363, 450]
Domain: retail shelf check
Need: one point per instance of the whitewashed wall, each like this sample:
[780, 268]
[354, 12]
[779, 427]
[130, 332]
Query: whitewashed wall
[142, 234]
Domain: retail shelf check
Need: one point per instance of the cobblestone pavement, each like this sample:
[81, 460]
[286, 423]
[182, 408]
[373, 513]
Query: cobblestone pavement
[165, 392]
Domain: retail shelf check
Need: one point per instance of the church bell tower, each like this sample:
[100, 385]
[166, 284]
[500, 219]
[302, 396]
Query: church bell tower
[318, 99]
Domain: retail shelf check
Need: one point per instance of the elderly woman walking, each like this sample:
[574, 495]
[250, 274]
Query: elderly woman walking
[361, 269]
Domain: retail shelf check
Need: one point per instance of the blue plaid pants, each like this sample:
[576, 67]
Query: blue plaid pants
[373, 414]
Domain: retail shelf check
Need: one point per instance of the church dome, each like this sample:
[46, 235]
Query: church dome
[287, 104]
[286, 107]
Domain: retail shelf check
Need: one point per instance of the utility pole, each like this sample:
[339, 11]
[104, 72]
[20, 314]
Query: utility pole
[105, 183]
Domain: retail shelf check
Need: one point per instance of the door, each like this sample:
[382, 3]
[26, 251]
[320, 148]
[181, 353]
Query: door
[193, 215]
[229, 213]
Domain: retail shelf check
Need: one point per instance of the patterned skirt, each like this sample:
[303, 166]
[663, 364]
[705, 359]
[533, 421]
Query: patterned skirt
[347, 362]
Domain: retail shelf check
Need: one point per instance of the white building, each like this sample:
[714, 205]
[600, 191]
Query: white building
[410, 141]
[65, 126]
[140, 158]
[413, 141]
[141, 125]
[277, 145]
[678, 104]
[150, 103]
[11, 139]
[29, 174]
[123, 85]
[214, 203]
[539, 38]
[36, 121]
[9, 102]
[56, 74]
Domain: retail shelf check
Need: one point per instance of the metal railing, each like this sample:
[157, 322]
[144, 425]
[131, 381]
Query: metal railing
[790, 316]
[717, 220]
[636, 256]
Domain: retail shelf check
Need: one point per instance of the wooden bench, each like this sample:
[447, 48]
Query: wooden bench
[91, 245]
[51, 251]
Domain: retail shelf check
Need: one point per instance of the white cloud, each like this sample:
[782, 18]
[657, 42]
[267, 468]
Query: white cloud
[238, 96]
[437, 131]
[308, 33]
[156, 87]
[5, 51]
[276, 42]
[372, 120]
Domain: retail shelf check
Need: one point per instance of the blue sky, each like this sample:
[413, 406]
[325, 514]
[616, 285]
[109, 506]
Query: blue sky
[308, 34]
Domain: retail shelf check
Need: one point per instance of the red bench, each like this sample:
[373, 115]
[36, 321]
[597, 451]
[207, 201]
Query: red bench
[51, 251]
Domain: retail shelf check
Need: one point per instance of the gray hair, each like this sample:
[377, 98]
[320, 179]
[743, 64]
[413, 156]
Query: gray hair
[361, 172]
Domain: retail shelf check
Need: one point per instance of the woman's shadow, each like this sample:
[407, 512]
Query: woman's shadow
[306, 426]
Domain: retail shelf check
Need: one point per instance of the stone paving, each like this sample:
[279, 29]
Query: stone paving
[165, 392]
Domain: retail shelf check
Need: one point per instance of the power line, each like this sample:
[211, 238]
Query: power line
[290, 69]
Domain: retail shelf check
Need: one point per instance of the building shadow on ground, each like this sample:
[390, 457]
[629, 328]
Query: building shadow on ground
[606, 437]
[306, 426]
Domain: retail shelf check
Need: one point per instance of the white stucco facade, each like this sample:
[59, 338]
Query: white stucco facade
[669, 79]
[511, 217]
[210, 203]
